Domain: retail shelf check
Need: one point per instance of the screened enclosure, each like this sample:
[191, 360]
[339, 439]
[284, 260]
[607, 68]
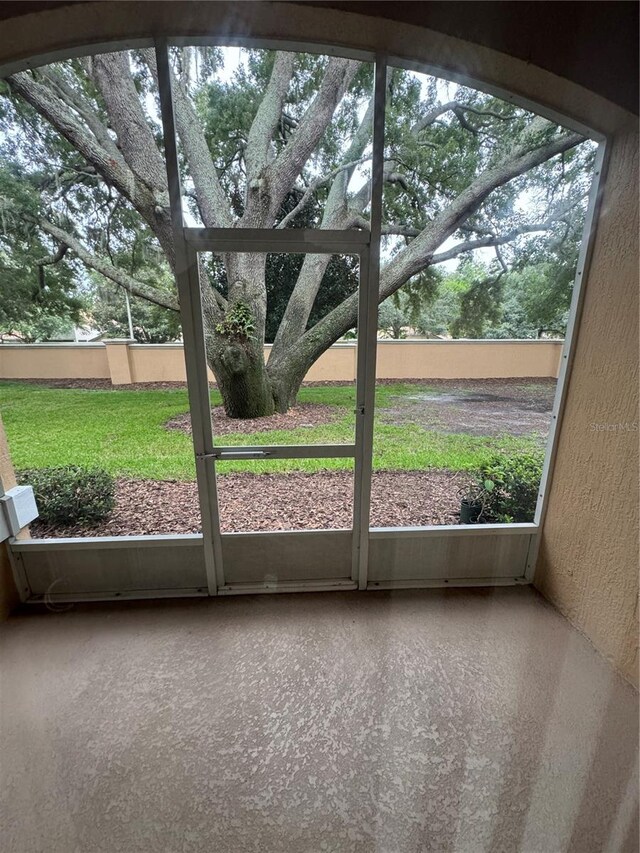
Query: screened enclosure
[299, 199]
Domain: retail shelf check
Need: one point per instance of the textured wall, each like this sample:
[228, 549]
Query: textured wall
[589, 558]
[396, 360]
[467, 359]
[588, 563]
[8, 591]
[53, 361]
[164, 361]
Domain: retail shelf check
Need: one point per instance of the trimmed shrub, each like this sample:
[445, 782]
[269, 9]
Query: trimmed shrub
[516, 481]
[71, 494]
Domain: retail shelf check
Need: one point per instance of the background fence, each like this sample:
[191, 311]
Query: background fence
[123, 362]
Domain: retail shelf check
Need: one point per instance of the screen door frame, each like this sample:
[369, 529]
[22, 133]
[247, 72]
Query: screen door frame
[294, 241]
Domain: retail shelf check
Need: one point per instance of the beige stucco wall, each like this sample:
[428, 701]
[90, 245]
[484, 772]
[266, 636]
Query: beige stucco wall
[467, 359]
[589, 558]
[118, 362]
[124, 363]
[588, 564]
[164, 362]
[53, 361]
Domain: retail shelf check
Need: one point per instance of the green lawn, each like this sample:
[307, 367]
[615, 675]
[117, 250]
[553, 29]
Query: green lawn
[123, 432]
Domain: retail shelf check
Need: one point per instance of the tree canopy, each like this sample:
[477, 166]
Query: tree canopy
[282, 141]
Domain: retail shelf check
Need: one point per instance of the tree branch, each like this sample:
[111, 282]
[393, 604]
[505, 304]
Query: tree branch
[57, 256]
[314, 185]
[112, 76]
[282, 173]
[400, 230]
[491, 240]
[458, 109]
[501, 261]
[391, 228]
[108, 270]
[522, 158]
[462, 119]
[476, 111]
[268, 116]
[111, 166]
[389, 176]
[336, 214]
[420, 252]
[85, 110]
[433, 114]
[212, 201]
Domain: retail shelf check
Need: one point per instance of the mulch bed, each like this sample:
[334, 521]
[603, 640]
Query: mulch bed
[105, 384]
[300, 415]
[294, 501]
[97, 384]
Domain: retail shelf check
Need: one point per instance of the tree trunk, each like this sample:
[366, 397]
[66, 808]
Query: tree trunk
[285, 386]
[248, 390]
[234, 345]
[242, 380]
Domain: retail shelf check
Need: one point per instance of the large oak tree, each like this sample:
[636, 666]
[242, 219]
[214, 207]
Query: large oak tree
[284, 141]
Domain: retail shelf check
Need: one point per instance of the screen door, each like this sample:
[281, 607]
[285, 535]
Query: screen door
[281, 493]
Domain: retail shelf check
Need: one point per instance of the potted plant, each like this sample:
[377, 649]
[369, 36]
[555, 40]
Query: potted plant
[474, 501]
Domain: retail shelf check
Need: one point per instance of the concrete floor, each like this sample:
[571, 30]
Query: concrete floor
[464, 721]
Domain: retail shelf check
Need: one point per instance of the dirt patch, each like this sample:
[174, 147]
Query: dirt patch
[295, 501]
[301, 415]
[477, 407]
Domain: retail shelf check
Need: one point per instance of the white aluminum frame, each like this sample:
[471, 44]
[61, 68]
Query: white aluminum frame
[569, 351]
[188, 240]
[298, 242]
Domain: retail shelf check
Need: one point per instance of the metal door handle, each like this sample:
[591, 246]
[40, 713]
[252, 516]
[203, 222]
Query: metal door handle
[242, 454]
[235, 454]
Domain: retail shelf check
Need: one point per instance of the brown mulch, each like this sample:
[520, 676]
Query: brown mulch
[97, 384]
[105, 384]
[294, 501]
[300, 415]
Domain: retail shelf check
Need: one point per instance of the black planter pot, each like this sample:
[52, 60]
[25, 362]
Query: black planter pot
[470, 511]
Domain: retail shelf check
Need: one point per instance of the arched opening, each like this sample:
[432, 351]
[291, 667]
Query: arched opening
[246, 198]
